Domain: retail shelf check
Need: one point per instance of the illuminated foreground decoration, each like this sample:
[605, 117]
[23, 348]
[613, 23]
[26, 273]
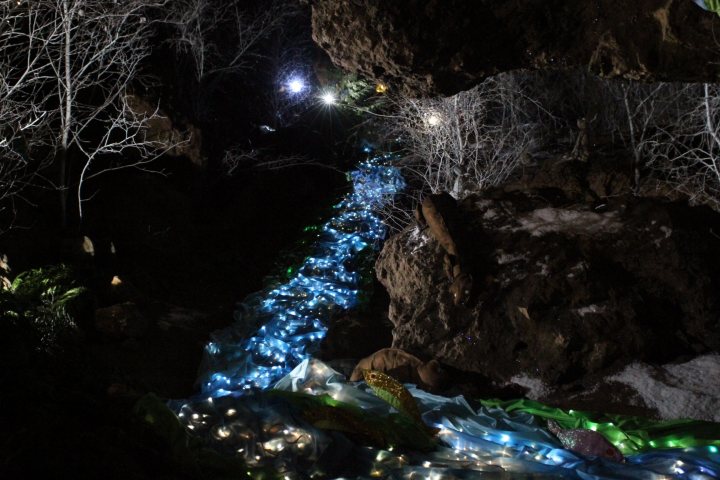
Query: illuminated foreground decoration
[275, 429]
[312, 423]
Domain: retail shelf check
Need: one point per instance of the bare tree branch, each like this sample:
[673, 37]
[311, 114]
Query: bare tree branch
[200, 24]
[65, 70]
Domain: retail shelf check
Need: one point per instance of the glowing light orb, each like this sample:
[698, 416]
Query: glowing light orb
[434, 119]
[296, 85]
[381, 88]
[328, 98]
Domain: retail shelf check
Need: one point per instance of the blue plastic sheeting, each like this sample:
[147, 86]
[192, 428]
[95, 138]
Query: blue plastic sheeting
[280, 327]
[267, 432]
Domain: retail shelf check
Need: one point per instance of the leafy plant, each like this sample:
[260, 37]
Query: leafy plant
[45, 303]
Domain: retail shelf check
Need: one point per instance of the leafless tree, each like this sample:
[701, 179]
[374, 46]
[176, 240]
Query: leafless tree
[22, 74]
[650, 111]
[69, 65]
[200, 25]
[239, 158]
[686, 153]
[472, 140]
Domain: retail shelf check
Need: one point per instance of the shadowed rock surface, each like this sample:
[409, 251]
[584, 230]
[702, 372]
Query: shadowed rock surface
[571, 289]
[444, 46]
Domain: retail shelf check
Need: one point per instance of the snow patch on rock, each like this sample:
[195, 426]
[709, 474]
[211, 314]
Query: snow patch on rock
[536, 388]
[505, 258]
[417, 239]
[589, 309]
[686, 390]
[577, 222]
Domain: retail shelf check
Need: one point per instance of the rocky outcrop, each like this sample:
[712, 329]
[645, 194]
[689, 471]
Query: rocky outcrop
[444, 46]
[178, 141]
[567, 289]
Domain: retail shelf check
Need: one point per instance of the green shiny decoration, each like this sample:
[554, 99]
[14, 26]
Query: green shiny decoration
[326, 413]
[713, 5]
[393, 392]
[629, 434]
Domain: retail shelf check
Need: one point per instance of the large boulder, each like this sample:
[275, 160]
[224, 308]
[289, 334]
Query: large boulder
[444, 46]
[562, 289]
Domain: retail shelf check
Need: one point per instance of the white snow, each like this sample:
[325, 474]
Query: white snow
[686, 390]
[582, 311]
[537, 389]
[505, 258]
[416, 239]
[489, 214]
[577, 222]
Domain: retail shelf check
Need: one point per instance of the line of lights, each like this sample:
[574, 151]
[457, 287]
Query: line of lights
[291, 318]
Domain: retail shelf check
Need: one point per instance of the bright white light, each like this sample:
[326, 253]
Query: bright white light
[328, 98]
[296, 85]
[433, 119]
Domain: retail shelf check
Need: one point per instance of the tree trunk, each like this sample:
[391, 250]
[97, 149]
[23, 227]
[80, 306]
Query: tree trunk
[63, 187]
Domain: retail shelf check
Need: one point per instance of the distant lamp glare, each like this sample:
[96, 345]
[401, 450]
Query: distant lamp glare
[328, 98]
[433, 119]
[296, 85]
[381, 88]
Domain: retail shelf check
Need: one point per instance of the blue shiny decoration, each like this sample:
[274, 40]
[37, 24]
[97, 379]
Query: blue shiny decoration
[278, 328]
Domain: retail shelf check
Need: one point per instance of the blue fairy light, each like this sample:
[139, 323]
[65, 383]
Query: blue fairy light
[290, 319]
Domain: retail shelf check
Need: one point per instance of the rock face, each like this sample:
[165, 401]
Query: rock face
[444, 46]
[563, 290]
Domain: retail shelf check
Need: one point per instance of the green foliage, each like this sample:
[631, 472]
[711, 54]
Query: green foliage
[44, 303]
[357, 94]
[354, 89]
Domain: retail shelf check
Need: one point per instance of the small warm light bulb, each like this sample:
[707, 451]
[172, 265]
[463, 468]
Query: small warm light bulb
[381, 88]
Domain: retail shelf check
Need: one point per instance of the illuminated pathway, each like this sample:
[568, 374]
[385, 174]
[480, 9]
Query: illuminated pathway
[245, 407]
[288, 322]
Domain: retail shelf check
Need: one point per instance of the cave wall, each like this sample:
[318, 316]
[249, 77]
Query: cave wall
[434, 47]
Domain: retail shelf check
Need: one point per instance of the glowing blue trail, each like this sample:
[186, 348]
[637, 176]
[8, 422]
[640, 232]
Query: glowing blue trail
[281, 327]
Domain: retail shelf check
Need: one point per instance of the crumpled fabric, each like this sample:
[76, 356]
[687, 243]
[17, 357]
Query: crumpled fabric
[267, 431]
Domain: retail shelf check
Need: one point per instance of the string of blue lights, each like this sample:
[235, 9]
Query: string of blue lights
[291, 318]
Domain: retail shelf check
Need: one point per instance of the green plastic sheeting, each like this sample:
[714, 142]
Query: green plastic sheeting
[713, 5]
[629, 434]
